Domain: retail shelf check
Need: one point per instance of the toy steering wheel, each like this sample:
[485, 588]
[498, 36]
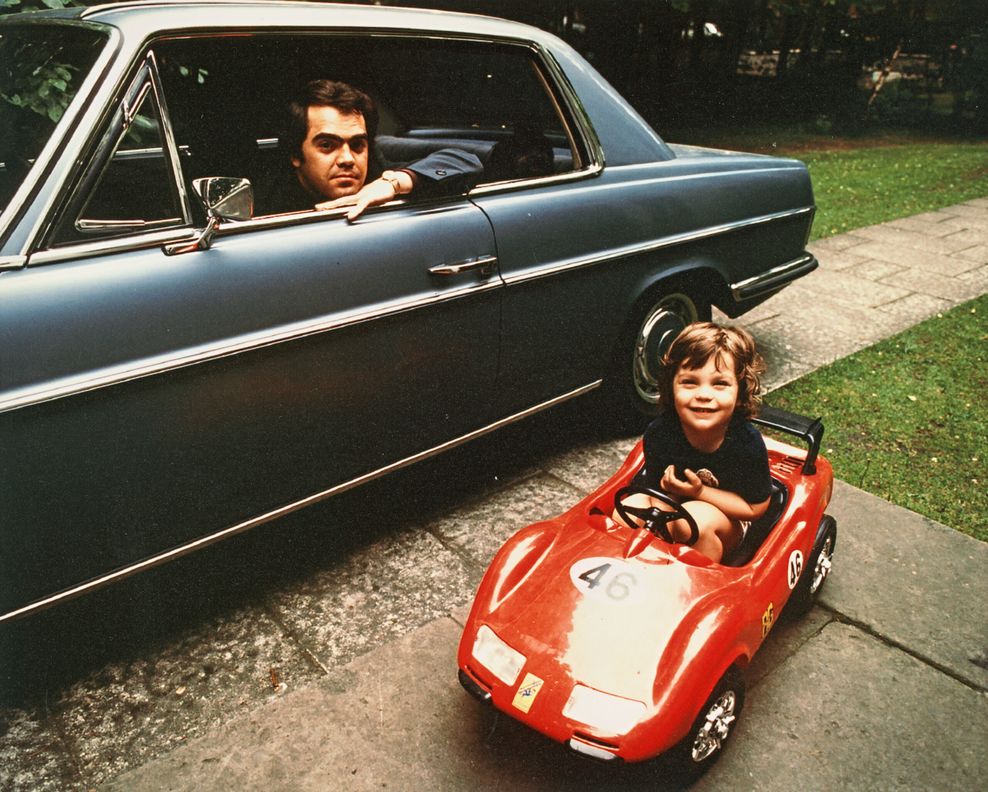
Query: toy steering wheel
[655, 519]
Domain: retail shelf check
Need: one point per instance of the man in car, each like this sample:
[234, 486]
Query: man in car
[330, 132]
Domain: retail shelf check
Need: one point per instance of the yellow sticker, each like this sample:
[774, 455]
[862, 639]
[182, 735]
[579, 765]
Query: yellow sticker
[767, 619]
[527, 691]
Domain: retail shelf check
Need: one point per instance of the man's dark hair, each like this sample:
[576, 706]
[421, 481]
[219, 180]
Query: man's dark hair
[326, 93]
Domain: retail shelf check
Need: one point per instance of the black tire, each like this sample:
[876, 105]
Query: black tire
[816, 571]
[716, 721]
[634, 377]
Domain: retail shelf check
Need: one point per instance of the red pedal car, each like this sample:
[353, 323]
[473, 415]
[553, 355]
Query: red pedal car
[624, 645]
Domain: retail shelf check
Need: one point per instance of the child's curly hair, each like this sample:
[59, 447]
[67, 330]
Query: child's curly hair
[700, 341]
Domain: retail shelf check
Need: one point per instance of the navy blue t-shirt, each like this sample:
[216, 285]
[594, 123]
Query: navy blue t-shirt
[740, 465]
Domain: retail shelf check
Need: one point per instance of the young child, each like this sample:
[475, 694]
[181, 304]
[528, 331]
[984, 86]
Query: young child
[701, 449]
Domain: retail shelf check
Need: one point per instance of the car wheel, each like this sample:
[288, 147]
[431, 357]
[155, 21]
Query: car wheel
[638, 358]
[817, 569]
[715, 723]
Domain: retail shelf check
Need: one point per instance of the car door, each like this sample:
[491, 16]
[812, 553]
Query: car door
[150, 400]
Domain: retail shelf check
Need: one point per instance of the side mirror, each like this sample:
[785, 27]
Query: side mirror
[223, 198]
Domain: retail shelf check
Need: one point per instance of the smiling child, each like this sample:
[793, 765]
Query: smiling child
[701, 449]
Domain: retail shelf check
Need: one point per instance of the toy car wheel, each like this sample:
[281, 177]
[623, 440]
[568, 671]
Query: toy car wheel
[638, 358]
[704, 744]
[817, 569]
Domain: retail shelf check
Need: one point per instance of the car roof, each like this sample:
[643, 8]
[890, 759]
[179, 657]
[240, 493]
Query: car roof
[141, 19]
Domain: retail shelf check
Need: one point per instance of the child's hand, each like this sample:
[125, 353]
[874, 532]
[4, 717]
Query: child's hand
[688, 488]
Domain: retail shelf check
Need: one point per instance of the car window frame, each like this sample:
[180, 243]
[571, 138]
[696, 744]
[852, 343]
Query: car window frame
[584, 142]
[143, 82]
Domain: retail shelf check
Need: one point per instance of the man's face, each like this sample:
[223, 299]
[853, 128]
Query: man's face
[334, 154]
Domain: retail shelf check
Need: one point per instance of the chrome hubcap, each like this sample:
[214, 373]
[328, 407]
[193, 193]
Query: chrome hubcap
[823, 564]
[716, 727]
[661, 326]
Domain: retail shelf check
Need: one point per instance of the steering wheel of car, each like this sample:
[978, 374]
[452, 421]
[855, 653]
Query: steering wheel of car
[655, 519]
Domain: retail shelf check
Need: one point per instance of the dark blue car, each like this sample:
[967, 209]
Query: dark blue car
[175, 368]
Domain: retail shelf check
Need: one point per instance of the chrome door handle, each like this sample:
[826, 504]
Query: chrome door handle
[482, 264]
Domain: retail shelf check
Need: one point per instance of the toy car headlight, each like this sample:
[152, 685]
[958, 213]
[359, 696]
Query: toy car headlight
[602, 710]
[496, 656]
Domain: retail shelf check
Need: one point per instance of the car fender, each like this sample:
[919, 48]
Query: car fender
[697, 657]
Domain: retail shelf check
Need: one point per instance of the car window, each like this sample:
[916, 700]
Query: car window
[130, 184]
[135, 190]
[502, 106]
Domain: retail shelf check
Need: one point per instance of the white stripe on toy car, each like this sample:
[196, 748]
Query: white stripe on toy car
[607, 578]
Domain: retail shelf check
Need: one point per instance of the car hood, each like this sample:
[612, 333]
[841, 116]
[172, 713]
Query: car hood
[604, 607]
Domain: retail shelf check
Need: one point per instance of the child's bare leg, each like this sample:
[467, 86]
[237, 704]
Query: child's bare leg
[719, 534]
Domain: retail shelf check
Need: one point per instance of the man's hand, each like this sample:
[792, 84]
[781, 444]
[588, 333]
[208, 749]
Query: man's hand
[691, 487]
[391, 185]
[375, 193]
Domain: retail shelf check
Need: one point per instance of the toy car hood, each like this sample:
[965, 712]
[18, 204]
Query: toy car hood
[611, 609]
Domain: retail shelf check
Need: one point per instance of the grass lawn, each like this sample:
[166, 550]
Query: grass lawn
[906, 419]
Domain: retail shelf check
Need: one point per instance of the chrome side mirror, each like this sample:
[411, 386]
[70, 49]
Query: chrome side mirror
[223, 198]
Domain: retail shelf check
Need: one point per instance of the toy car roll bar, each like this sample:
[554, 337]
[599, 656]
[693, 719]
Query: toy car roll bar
[809, 430]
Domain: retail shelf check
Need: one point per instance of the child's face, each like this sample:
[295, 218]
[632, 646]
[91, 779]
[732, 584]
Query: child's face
[705, 397]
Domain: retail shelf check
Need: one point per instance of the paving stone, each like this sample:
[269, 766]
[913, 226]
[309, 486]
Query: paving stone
[32, 757]
[976, 253]
[931, 578]
[850, 712]
[953, 289]
[977, 279]
[130, 712]
[969, 237]
[855, 291]
[375, 594]
[834, 244]
[898, 237]
[873, 270]
[840, 260]
[586, 467]
[914, 308]
[479, 529]
[788, 636]
[971, 211]
[939, 227]
[933, 262]
[939, 216]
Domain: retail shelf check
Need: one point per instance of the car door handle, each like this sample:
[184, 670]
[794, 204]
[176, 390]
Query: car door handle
[482, 264]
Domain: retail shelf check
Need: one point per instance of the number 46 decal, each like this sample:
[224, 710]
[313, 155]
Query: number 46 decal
[606, 578]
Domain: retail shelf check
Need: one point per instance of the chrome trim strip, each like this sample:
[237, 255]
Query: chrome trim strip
[12, 262]
[775, 278]
[115, 375]
[103, 247]
[205, 541]
[628, 251]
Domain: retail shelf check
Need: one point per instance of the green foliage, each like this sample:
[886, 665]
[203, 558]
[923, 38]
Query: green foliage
[17, 6]
[39, 81]
[906, 419]
[42, 89]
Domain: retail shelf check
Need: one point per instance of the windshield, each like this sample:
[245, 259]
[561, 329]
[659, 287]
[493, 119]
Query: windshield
[41, 68]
